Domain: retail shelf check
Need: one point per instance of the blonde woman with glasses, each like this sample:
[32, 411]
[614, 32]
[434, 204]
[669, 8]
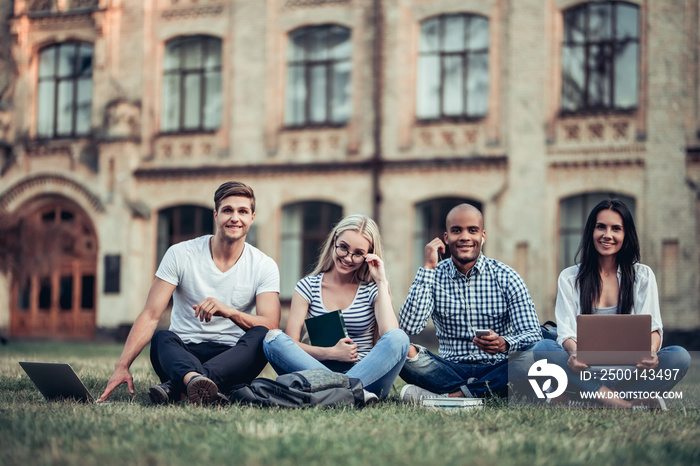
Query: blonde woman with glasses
[349, 277]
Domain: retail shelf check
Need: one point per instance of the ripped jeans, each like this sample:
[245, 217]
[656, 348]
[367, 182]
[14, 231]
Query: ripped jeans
[377, 370]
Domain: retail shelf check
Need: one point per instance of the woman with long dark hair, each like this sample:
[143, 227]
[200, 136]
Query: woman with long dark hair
[350, 277]
[610, 280]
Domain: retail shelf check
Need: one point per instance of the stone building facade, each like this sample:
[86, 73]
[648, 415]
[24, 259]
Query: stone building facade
[119, 118]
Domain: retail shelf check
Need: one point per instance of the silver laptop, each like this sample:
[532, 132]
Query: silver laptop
[613, 340]
[57, 381]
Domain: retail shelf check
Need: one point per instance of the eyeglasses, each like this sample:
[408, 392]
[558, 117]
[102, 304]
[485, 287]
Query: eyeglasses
[343, 251]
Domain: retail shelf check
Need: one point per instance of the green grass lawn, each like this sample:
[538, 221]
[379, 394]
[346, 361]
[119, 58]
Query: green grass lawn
[131, 431]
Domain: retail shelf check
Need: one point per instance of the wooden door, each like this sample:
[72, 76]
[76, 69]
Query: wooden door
[55, 295]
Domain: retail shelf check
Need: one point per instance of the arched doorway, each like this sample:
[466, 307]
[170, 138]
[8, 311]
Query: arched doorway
[53, 293]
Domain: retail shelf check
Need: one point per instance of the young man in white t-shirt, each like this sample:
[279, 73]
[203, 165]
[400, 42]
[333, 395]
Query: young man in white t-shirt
[214, 340]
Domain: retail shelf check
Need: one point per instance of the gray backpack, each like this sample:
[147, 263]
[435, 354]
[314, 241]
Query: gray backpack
[302, 389]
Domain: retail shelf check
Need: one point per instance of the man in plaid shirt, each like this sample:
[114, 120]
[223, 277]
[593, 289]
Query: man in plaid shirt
[462, 294]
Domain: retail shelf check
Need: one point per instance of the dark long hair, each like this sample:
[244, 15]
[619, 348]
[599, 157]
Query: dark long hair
[588, 278]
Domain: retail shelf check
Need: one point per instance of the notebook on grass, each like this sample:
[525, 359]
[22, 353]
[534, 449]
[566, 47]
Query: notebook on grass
[453, 403]
[613, 340]
[57, 381]
[325, 331]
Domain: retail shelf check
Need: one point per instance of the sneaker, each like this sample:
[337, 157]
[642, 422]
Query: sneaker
[649, 403]
[370, 398]
[570, 401]
[414, 394]
[221, 400]
[164, 393]
[202, 390]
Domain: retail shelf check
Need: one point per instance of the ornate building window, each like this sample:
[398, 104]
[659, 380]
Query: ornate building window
[191, 99]
[573, 213]
[600, 57]
[453, 68]
[318, 76]
[305, 226]
[430, 223]
[65, 90]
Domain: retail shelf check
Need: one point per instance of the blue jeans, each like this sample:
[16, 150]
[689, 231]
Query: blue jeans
[377, 370]
[671, 357]
[473, 379]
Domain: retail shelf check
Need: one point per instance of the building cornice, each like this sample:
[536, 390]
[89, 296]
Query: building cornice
[320, 167]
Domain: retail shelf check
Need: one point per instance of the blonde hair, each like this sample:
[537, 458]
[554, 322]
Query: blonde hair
[364, 226]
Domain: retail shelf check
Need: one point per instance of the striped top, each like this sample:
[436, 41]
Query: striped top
[359, 316]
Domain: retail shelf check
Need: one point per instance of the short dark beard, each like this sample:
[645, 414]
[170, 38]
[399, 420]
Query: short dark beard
[463, 261]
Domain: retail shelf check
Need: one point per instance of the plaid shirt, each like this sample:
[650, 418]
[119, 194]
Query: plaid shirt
[492, 296]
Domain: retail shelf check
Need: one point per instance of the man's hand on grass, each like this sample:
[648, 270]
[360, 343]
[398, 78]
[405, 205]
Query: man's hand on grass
[119, 376]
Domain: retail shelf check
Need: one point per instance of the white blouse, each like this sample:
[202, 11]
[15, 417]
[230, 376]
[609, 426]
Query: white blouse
[646, 300]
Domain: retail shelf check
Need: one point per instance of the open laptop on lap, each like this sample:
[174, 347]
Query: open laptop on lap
[57, 381]
[613, 340]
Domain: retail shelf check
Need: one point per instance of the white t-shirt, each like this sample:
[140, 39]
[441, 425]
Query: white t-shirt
[189, 266]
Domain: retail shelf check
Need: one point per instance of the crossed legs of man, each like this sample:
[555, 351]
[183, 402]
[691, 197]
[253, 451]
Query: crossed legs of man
[441, 376]
[178, 364]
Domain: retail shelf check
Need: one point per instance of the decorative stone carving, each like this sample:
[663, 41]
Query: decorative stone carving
[185, 148]
[123, 120]
[449, 138]
[293, 145]
[192, 12]
[313, 144]
[595, 131]
[452, 137]
[620, 129]
[572, 132]
[82, 19]
[303, 3]
[470, 136]
[50, 150]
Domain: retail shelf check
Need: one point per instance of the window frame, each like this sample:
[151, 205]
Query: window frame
[307, 64]
[610, 44]
[465, 52]
[74, 78]
[172, 219]
[309, 241]
[182, 71]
